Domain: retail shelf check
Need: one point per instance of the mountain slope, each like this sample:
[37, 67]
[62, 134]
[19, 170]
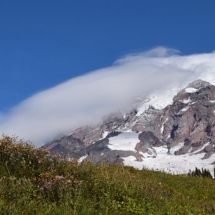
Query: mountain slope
[169, 134]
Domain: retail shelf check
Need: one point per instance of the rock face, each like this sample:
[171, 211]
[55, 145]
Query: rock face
[191, 117]
[188, 125]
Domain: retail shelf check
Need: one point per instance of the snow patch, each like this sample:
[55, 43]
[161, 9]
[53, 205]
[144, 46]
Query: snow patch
[185, 109]
[162, 127]
[199, 150]
[176, 148]
[191, 90]
[186, 101]
[125, 141]
[105, 134]
[157, 100]
[82, 158]
[168, 137]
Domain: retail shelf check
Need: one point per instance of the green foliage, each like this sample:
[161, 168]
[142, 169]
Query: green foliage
[32, 181]
[200, 173]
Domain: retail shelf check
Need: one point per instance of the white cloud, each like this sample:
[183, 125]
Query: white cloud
[85, 99]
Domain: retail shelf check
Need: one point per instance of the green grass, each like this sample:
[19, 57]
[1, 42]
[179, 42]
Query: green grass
[32, 181]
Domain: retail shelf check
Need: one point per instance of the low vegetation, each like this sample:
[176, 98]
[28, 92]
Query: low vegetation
[201, 173]
[32, 181]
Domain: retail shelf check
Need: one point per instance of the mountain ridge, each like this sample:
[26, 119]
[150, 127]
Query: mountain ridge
[182, 130]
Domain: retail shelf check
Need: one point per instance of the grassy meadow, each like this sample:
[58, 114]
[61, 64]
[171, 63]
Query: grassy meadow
[33, 181]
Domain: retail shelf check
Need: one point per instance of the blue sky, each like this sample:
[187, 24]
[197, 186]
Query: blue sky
[43, 43]
[48, 48]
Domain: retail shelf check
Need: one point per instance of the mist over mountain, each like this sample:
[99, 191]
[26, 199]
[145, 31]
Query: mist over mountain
[85, 100]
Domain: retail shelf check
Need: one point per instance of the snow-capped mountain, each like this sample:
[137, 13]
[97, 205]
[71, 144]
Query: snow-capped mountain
[163, 132]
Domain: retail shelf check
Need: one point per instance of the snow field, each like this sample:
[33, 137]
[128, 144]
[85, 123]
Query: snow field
[125, 141]
[170, 163]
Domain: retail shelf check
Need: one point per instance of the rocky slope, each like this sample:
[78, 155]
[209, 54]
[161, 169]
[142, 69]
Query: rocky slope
[179, 137]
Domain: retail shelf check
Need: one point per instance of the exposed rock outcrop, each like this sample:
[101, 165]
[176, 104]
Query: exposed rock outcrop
[191, 117]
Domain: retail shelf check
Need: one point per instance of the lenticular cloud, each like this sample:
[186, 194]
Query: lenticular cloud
[86, 99]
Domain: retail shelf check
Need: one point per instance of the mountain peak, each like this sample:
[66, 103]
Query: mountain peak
[198, 84]
[176, 138]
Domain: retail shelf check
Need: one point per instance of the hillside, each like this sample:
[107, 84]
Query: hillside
[36, 182]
